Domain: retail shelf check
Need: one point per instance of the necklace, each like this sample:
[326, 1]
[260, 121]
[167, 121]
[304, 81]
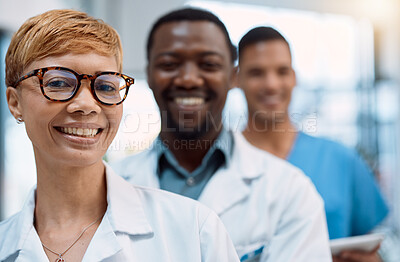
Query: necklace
[60, 255]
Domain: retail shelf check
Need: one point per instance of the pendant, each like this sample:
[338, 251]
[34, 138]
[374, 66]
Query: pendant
[60, 259]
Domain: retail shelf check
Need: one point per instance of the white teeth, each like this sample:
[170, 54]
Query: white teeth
[86, 132]
[189, 101]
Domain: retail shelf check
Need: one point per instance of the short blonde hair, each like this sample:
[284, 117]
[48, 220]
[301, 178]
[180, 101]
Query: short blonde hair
[56, 33]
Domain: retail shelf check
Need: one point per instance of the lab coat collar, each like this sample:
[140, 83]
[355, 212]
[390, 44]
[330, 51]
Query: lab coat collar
[250, 161]
[232, 184]
[20, 228]
[118, 218]
[121, 195]
[228, 186]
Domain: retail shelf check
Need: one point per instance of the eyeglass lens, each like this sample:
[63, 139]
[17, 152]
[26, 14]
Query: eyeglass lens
[61, 85]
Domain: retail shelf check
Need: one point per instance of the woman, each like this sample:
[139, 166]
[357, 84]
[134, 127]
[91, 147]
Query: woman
[62, 73]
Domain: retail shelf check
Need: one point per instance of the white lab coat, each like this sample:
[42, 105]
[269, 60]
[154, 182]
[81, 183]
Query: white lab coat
[271, 210]
[140, 224]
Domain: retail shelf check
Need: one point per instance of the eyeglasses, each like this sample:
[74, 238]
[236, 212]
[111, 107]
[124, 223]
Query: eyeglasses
[62, 84]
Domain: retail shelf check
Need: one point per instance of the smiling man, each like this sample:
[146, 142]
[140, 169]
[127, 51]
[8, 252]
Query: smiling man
[270, 209]
[190, 74]
[353, 202]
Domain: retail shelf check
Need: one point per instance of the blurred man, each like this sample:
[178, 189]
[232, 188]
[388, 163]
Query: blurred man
[353, 202]
[270, 209]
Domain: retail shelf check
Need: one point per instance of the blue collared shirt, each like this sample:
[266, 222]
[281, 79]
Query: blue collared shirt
[177, 179]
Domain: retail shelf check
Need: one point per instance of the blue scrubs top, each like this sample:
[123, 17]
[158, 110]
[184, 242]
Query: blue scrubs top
[353, 202]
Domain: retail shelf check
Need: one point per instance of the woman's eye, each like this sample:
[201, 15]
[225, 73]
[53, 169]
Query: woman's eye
[106, 88]
[58, 83]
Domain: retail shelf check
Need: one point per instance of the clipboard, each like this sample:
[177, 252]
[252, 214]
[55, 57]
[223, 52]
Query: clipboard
[365, 243]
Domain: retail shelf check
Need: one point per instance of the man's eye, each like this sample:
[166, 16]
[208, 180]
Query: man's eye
[255, 73]
[283, 72]
[210, 66]
[168, 66]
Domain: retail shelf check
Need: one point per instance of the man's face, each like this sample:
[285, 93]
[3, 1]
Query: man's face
[267, 79]
[190, 72]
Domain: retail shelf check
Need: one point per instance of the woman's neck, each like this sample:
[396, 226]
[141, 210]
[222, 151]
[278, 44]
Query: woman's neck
[69, 198]
[69, 195]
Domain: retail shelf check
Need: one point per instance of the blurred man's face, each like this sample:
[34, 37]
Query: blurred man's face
[267, 79]
[190, 72]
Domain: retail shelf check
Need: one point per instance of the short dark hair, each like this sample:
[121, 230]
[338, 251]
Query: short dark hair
[260, 34]
[190, 14]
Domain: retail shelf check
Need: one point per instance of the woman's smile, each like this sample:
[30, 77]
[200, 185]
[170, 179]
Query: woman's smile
[84, 132]
[79, 134]
[78, 130]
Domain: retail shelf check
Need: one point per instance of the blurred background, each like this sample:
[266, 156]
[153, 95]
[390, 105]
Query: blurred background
[346, 55]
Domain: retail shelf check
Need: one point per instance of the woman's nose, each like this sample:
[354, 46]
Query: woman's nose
[84, 102]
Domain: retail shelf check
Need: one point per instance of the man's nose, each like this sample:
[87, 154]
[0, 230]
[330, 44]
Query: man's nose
[271, 81]
[189, 76]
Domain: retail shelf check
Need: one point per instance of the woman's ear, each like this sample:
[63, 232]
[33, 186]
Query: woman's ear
[13, 100]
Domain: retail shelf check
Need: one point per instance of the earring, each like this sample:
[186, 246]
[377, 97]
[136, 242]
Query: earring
[19, 120]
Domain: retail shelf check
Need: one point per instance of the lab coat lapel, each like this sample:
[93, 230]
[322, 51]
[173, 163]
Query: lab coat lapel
[224, 190]
[125, 214]
[22, 242]
[232, 184]
[104, 238]
[33, 249]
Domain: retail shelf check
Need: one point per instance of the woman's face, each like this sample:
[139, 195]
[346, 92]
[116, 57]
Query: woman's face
[73, 133]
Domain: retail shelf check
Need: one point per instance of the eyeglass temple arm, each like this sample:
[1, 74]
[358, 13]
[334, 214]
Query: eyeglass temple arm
[22, 78]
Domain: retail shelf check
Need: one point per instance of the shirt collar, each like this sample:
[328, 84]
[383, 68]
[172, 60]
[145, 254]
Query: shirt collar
[224, 143]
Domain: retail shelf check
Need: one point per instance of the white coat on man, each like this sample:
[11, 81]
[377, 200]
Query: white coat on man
[270, 209]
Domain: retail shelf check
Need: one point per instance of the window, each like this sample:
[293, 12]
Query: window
[140, 122]
[337, 95]
[329, 64]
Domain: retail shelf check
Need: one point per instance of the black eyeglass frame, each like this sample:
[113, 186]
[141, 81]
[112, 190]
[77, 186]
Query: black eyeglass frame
[41, 71]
